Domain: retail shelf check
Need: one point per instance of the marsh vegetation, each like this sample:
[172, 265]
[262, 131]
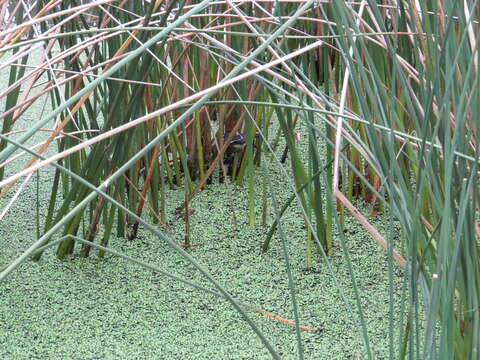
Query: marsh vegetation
[304, 174]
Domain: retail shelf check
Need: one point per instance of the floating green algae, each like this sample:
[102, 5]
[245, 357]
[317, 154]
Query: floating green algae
[110, 308]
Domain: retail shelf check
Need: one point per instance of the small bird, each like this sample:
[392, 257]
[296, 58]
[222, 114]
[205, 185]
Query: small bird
[238, 142]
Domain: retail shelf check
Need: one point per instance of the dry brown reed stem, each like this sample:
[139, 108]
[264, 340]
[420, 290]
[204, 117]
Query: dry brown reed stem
[146, 187]
[58, 26]
[21, 106]
[427, 224]
[263, 20]
[77, 74]
[145, 201]
[281, 319]
[270, 48]
[28, 24]
[63, 134]
[374, 232]
[94, 227]
[77, 48]
[24, 27]
[30, 84]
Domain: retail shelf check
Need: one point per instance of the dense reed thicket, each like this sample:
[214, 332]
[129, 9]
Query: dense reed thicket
[150, 95]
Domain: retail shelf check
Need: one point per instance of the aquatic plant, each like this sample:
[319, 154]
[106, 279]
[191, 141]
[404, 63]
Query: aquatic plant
[148, 95]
